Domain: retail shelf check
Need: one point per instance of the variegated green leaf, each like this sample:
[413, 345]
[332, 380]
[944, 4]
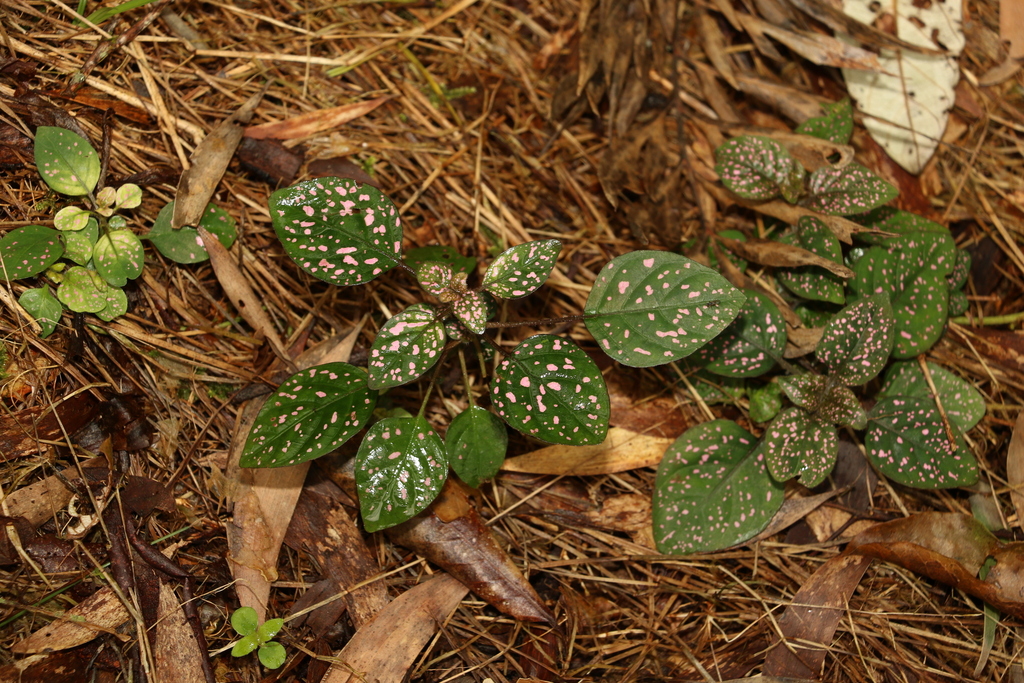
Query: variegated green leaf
[474, 309]
[407, 346]
[184, 244]
[835, 126]
[798, 444]
[28, 251]
[841, 406]
[711, 491]
[313, 412]
[400, 468]
[337, 230]
[858, 340]
[807, 390]
[85, 291]
[964, 405]
[66, 161]
[765, 402]
[520, 270]
[814, 282]
[118, 257]
[652, 307]
[434, 277]
[550, 389]
[847, 190]
[907, 442]
[758, 168]
[749, 346]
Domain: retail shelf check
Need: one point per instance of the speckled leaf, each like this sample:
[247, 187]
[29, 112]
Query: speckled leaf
[958, 303]
[42, 306]
[807, 391]
[815, 315]
[814, 282]
[28, 251]
[71, 218]
[652, 307]
[798, 444]
[904, 224]
[847, 190]
[312, 413]
[128, 196]
[957, 278]
[66, 161]
[520, 270]
[921, 308]
[184, 245]
[78, 245]
[765, 402]
[749, 346]
[474, 309]
[118, 257]
[840, 406]
[414, 258]
[84, 291]
[550, 389]
[711, 491]
[105, 199]
[758, 168]
[476, 442]
[907, 442]
[858, 340]
[407, 346]
[400, 468]
[835, 126]
[874, 273]
[434, 277]
[964, 405]
[116, 305]
[337, 230]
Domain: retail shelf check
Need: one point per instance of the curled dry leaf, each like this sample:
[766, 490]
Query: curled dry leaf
[452, 535]
[621, 451]
[305, 125]
[101, 612]
[816, 47]
[772, 253]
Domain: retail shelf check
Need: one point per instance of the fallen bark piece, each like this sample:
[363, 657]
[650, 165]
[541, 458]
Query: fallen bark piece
[621, 451]
[383, 650]
[101, 612]
[176, 652]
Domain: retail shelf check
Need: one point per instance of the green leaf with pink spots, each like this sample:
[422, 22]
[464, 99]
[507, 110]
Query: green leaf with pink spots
[66, 161]
[118, 257]
[908, 443]
[824, 399]
[964, 405]
[848, 190]
[474, 309]
[42, 306]
[711, 491]
[434, 277]
[337, 230]
[313, 412]
[184, 245]
[749, 346]
[653, 307]
[758, 168]
[550, 389]
[476, 442]
[799, 444]
[407, 345]
[85, 291]
[957, 278]
[858, 340]
[842, 407]
[415, 258]
[807, 390]
[835, 126]
[520, 270]
[814, 282]
[765, 402]
[28, 251]
[904, 224]
[958, 303]
[400, 468]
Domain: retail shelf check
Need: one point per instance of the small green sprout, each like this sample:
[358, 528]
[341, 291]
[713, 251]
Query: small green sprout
[257, 637]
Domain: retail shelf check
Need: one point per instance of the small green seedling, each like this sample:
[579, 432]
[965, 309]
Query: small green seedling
[719, 484]
[646, 308]
[90, 254]
[257, 637]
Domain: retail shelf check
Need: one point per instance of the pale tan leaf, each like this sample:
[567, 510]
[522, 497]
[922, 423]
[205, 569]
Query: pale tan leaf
[236, 286]
[622, 450]
[209, 161]
[175, 650]
[101, 612]
[311, 123]
[1011, 26]
[815, 47]
[1015, 468]
[383, 650]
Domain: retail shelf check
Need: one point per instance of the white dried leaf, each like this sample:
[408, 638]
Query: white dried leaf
[907, 112]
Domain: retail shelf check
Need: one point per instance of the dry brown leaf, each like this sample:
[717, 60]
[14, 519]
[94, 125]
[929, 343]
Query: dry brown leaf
[237, 288]
[772, 253]
[175, 651]
[383, 650]
[452, 535]
[209, 161]
[801, 341]
[305, 125]
[1015, 468]
[715, 47]
[813, 616]
[792, 511]
[264, 500]
[790, 102]
[1011, 26]
[622, 450]
[40, 501]
[101, 612]
[816, 47]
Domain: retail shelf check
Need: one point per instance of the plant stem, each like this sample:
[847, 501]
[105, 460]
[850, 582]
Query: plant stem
[1007, 319]
[433, 381]
[538, 323]
[465, 377]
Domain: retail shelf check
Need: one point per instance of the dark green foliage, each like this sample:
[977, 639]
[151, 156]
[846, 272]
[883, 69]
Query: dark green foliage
[749, 346]
[476, 442]
[814, 282]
